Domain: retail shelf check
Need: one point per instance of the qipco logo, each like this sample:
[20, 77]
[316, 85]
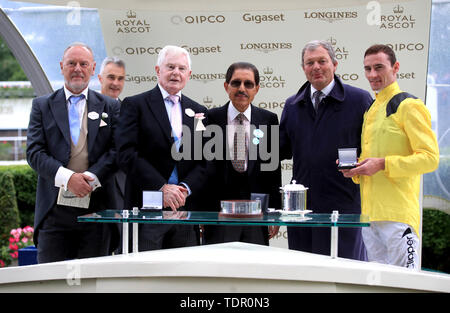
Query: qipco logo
[204, 19]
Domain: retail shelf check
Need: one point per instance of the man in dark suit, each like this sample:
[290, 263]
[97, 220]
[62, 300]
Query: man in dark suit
[230, 179]
[323, 116]
[152, 126]
[70, 145]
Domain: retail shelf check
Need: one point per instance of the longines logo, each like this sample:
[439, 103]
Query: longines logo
[197, 19]
[260, 18]
[138, 79]
[268, 80]
[398, 19]
[132, 25]
[207, 77]
[331, 16]
[341, 52]
[266, 47]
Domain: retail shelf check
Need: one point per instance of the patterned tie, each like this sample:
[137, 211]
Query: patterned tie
[239, 146]
[317, 95]
[175, 117]
[74, 118]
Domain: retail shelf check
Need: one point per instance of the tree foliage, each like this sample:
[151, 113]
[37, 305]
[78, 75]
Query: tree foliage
[10, 69]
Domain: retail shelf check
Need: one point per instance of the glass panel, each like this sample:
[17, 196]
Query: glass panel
[187, 217]
[437, 184]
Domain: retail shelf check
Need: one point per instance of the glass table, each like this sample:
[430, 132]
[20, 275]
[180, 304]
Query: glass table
[276, 218]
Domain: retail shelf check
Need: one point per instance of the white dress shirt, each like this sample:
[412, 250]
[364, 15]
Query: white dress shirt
[63, 174]
[325, 90]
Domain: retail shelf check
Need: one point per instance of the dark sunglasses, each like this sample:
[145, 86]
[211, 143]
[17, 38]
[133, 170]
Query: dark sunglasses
[247, 84]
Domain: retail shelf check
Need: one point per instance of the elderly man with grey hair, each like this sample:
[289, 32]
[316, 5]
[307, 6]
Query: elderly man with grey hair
[322, 117]
[112, 76]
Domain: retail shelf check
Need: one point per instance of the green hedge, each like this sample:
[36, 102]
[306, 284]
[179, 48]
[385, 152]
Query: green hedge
[21, 180]
[9, 213]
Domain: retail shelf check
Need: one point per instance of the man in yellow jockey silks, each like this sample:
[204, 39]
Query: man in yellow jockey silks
[398, 146]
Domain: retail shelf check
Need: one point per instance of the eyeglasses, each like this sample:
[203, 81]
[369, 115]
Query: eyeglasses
[247, 84]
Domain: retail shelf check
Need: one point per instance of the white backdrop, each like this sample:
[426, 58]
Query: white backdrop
[272, 39]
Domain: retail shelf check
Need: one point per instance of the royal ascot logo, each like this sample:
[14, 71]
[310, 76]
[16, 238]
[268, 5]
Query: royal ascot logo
[139, 79]
[330, 16]
[197, 19]
[262, 18]
[207, 77]
[398, 19]
[131, 24]
[209, 103]
[266, 47]
[340, 52]
[269, 80]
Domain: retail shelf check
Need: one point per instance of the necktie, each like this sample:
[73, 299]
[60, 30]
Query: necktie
[317, 98]
[74, 118]
[175, 117]
[239, 146]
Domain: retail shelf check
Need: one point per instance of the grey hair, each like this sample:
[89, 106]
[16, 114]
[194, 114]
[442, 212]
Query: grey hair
[79, 44]
[108, 60]
[175, 50]
[313, 45]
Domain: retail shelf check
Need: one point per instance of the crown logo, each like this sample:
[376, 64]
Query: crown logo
[332, 41]
[268, 71]
[398, 9]
[131, 14]
[207, 100]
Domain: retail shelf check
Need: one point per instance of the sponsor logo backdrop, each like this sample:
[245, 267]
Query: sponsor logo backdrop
[272, 40]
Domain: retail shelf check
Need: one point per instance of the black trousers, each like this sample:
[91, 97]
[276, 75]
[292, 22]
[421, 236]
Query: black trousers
[165, 236]
[62, 237]
[250, 234]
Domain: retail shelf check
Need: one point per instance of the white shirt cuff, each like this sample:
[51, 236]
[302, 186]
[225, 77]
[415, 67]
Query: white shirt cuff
[62, 177]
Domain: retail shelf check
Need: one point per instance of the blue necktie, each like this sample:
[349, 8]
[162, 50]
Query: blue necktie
[74, 118]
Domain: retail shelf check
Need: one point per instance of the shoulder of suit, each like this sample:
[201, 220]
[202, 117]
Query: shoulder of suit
[197, 106]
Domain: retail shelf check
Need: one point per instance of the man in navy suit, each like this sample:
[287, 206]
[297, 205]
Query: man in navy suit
[152, 126]
[231, 180]
[322, 117]
[70, 145]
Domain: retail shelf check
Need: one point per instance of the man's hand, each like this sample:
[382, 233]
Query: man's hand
[273, 231]
[78, 184]
[174, 196]
[368, 167]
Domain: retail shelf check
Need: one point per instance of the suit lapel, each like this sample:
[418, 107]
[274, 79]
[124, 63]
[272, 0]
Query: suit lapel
[156, 104]
[94, 104]
[58, 106]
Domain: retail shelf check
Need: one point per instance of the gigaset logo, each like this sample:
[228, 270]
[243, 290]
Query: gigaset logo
[132, 25]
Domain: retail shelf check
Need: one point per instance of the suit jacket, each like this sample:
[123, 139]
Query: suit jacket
[144, 144]
[313, 141]
[49, 147]
[221, 182]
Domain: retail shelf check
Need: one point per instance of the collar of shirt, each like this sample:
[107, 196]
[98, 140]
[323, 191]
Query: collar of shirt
[233, 112]
[167, 103]
[68, 93]
[325, 90]
[81, 104]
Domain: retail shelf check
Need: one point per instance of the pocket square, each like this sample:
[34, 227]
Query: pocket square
[102, 123]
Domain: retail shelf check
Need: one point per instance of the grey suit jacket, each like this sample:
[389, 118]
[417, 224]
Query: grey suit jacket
[49, 146]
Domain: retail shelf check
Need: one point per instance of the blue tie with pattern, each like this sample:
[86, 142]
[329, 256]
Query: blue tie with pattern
[74, 118]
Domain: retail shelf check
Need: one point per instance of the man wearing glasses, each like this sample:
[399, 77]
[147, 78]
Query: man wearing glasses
[240, 172]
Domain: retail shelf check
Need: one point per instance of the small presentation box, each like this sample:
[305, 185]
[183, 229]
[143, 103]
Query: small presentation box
[347, 158]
